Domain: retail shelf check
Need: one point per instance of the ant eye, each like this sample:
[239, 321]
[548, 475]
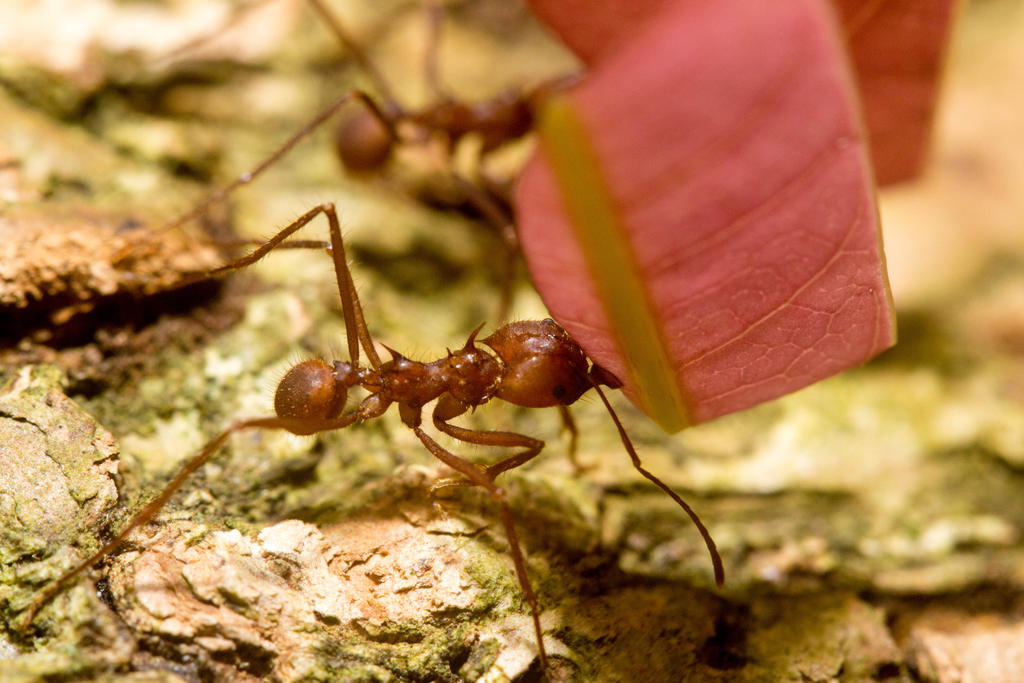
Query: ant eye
[558, 391]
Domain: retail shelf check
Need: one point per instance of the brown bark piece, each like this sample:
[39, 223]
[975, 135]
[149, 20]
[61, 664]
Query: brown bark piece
[76, 255]
[947, 646]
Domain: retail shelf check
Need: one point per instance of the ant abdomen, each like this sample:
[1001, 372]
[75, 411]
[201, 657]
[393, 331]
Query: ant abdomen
[310, 391]
[545, 366]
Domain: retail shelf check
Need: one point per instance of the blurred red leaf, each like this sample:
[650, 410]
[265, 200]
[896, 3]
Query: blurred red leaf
[592, 29]
[727, 148]
[896, 46]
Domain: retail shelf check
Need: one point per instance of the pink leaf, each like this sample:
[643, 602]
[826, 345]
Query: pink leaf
[592, 29]
[720, 152]
[896, 46]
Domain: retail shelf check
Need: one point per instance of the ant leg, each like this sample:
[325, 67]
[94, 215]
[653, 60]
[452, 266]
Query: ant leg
[235, 16]
[448, 408]
[716, 559]
[489, 438]
[569, 425]
[230, 247]
[494, 438]
[357, 52]
[352, 309]
[494, 214]
[277, 241]
[154, 506]
[504, 224]
[509, 255]
[433, 13]
[478, 477]
[293, 244]
[221, 194]
[355, 324]
[510, 439]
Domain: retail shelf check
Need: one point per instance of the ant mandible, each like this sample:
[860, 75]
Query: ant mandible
[367, 137]
[534, 364]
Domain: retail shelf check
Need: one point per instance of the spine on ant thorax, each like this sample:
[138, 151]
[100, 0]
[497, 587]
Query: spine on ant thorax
[470, 375]
[410, 382]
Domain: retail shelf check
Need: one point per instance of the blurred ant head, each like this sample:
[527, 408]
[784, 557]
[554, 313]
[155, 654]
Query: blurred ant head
[363, 142]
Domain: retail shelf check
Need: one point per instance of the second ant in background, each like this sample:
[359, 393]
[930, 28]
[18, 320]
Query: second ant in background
[373, 127]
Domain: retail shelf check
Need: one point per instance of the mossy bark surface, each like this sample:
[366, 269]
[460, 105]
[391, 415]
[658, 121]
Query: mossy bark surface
[871, 525]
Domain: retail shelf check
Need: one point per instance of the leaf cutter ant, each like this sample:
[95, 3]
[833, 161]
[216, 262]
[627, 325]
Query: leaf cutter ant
[366, 138]
[534, 364]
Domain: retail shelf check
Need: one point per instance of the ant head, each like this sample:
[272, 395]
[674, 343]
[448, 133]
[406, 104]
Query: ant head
[544, 365]
[363, 142]
[310, 391]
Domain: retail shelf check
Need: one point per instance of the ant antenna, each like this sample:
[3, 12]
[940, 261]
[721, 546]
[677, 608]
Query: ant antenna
[430, 59]
[716, 559]
[234, 17]
[221, 194]
[360, 56]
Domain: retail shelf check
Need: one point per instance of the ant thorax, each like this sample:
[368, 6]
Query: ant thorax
[472, 374]
[537, 364]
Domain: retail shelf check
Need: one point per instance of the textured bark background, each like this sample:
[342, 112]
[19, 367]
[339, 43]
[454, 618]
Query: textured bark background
[871, 525]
